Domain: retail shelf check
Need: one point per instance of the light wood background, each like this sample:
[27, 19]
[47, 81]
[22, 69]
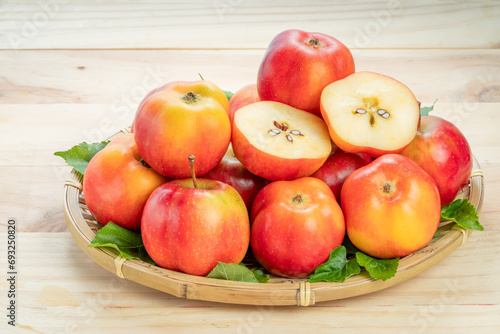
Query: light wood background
[73, 71]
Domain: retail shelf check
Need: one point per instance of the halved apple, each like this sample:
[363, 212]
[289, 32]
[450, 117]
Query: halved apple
[370, 113]
[278, 142]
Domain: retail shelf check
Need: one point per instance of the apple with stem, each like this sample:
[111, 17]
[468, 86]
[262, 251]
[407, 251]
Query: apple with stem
[391, 206]
[298, 65]
[295, 226]
[190, 224]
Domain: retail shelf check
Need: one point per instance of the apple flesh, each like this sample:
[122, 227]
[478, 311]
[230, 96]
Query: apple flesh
[442, 150]
[391, 207]
[338, 167]
[370, 113]
[190, 229]
[278, 142]
[298, 65]
[231, 171]
[295, 226]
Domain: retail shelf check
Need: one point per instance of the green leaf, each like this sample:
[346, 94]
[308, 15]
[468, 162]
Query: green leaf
[462, 212]
[228, 94]
[233, 272]
[337, 268]
[378, 268]
[424, 111]
[129, 244]
[260, 276]
[79, 156]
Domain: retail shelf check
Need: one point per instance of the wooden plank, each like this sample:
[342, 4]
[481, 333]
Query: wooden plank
[67, 291]
[124, 76]
[34, 132]
[236, 24]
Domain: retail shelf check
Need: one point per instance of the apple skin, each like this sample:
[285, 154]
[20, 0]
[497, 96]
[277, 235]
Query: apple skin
[179, 119]
[190, 230]
[338, 167]
[295, 226]
[245, 96]
[231, 171]
[391, 206]
[294, 72]
[117, 185]
[441, 150]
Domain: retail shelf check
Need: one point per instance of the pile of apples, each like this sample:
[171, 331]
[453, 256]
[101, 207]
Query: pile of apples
[285, 168]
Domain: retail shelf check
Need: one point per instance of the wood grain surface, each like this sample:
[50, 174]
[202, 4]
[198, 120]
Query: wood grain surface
[75, 70]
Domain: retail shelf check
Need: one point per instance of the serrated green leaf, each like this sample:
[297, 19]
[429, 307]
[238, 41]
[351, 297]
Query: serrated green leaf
[424, 111]
[336, 269]
[233, 272]
[129, 244]
[79, 156]
[462, 212]
[378, 268]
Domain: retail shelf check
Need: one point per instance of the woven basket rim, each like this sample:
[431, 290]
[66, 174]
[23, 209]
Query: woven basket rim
[280, 291]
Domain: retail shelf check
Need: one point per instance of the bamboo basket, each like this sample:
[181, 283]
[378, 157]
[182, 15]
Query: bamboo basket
[278, 291]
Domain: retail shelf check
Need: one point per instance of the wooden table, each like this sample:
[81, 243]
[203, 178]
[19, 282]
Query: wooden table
[73, 71]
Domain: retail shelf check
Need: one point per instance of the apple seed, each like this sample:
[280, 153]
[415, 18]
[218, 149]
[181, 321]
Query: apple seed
[296, 133]
[289, 138]
[274, 132]
[360, 111]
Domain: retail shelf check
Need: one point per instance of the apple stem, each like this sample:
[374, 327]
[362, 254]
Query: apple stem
[193, 174]
[190, 97]
[297, 199]
[314, 42]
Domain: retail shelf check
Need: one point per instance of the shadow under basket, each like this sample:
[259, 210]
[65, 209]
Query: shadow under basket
[278, 291]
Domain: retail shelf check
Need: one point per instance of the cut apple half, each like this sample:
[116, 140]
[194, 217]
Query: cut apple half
[279, 142]
[370, 113]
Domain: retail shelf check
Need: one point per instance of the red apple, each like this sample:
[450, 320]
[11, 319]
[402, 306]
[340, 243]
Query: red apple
[278, 142]
[441, 150]
[338, 167]
[189, 228]
[370, 113]
[391, 207]
[298, 65]
[231, 171]
[243, 97]
[179, 119]
[117, 184]
[295, 226]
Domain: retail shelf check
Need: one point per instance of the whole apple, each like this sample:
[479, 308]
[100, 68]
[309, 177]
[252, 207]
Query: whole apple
[441, 150]
[391, 207]
[338, 167]
[231, 171]
[117, 184]
[295, 226]
[298, 65]
[179, 119]
[190, 229]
